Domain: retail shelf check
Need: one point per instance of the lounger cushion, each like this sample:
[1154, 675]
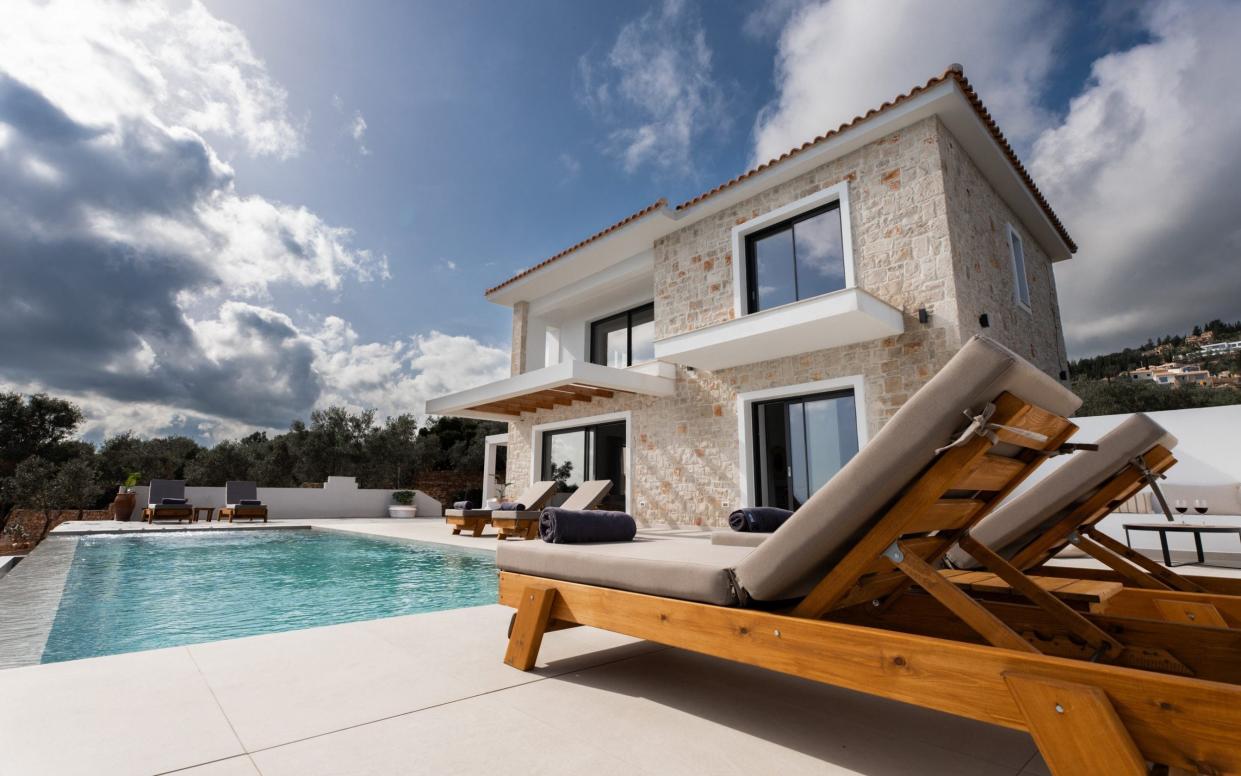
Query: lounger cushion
[467, 513]
[738, 538]
[1073, 479]
[240, 491]
[793, 559]
[505, 514]
[689, 569]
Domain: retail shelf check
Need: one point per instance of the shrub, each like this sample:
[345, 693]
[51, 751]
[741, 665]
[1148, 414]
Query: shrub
[403, 497]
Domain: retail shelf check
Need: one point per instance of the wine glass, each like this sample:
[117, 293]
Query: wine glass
[1200, 506]
[1181, 506]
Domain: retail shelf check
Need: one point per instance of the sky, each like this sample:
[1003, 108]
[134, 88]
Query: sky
[218, 216]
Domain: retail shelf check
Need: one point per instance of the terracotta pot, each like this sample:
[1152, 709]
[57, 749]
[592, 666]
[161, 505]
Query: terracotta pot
[123, 506]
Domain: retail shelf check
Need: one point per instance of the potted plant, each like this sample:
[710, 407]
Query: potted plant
[501, 488]
[402, 504]
[123, 505]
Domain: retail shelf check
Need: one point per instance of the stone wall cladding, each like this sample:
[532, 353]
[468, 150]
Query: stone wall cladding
[900, 235]
[521, 320]
[984, 271]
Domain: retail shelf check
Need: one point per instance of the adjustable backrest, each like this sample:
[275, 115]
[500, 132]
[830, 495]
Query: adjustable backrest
[790, 563]
[588, 495]
[1073, 481]
[162, 489]
[237, 490]
[537, 495]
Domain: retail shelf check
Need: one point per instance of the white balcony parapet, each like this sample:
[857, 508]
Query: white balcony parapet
[840, 318]
[558, 385]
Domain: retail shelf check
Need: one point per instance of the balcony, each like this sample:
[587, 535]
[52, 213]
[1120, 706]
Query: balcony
[843, 317]
[561, 385]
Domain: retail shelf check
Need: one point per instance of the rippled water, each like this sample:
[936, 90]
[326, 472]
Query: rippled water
[126, 593]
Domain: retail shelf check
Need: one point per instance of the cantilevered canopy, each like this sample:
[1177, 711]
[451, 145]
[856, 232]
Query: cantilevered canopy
[560, 385]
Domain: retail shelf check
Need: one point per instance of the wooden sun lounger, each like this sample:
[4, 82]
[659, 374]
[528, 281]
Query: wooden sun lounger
[157, 492]
[883, 620]
[534, 497]
[526, 524]
[236, 491]
[1144, 588]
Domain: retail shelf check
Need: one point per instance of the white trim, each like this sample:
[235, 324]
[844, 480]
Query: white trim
[1009, 234]
[745, 423]
[491, 443]
[838, 193]
[536, 445]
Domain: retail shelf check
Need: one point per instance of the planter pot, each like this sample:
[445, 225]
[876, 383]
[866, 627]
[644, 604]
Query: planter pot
[402, 511]
[123, 506]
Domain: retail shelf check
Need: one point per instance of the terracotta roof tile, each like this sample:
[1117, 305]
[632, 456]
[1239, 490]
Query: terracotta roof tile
[953, 73]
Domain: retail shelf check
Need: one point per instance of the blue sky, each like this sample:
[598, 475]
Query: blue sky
[329, 187]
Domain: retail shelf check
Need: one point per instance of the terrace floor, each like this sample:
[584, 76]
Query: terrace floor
[428, 693]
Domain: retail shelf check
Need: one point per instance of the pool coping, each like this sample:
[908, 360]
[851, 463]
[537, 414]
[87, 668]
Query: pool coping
[32, 592]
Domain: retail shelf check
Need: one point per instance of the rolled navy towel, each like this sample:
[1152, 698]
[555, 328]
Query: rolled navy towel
[511, 506]
[758, 519]
[463, 505]
[579, 526]
[172, 502]
[250, 502]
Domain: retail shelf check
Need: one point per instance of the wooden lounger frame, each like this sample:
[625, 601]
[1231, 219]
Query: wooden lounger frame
[178, 513]
[1152, 591]
[250, 513]
[472, 523]
[528, 528]
[1086, 717]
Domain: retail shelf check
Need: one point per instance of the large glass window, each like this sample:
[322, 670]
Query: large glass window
[800, 443]
[796, 259]
[624, 339]
[572, 456]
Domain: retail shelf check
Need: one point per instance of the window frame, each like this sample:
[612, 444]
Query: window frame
[628, 315]
[838, 194]
[756, 437]
[1021, 276]
[536, 446]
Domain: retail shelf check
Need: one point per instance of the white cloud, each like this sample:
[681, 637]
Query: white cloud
[839, 59]
[107, 60]
[1143, 169]
[358, 130]
[657, 82]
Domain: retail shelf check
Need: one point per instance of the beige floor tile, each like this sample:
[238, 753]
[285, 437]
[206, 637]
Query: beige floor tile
[138, 713]
[233, 766]
[693, 714]
[477, 736]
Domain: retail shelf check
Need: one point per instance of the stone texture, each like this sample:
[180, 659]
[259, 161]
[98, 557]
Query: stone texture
[927, 232]
[521, 322]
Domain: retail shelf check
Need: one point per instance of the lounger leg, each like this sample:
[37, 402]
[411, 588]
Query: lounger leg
[531, 621]
[478, 527]
[1076, 727]
[532, 530]
[456, 530]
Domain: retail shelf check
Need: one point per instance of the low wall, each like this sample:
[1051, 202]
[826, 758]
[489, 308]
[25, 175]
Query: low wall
[339, 497]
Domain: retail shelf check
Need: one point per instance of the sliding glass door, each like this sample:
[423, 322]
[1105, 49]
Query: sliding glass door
[800, 443]
[572, 456]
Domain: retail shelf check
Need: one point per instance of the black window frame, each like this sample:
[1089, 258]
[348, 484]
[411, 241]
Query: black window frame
[756, 440]
[751, 266]
[616, 497]
[628, 316]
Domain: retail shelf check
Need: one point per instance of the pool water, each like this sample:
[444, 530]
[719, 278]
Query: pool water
[126, 593]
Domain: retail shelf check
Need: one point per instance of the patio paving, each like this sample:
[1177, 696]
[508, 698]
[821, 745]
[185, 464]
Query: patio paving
[429, 693]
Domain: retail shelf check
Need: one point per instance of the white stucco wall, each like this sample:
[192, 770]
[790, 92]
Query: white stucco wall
[339, 497]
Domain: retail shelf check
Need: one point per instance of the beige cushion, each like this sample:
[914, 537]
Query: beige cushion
[689, 569]
[793, 559]
[467, 513]
[537, 495]
[507, 515]
[1073, 479]
[587, 496]
[738, 538]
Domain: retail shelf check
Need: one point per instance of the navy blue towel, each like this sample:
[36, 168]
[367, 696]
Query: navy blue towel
[758, 519]
[463, 505]
[579, 526]
[511, 506]
[173, 502]
[249, 502]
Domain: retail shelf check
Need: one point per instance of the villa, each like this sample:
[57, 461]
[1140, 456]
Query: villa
[739, 348]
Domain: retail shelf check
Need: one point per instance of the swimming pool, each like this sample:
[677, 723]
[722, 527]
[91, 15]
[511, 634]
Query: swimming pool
[126, 593]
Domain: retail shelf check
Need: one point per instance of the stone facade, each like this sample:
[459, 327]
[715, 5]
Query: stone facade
[521, 320]
[924, 226]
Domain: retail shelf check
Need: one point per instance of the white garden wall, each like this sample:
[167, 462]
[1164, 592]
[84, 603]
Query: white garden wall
[339, 497]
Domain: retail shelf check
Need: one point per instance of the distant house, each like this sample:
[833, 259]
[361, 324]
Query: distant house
[1220, 348]
[1171, 375]
[739, 348]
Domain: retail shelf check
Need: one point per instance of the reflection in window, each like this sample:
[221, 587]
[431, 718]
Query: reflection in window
[624, 339]
[796, 259]
[800, 443]
[574, 455]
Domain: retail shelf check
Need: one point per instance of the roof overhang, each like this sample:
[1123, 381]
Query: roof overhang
[947, 99]
[554, 386]
[841, 318]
